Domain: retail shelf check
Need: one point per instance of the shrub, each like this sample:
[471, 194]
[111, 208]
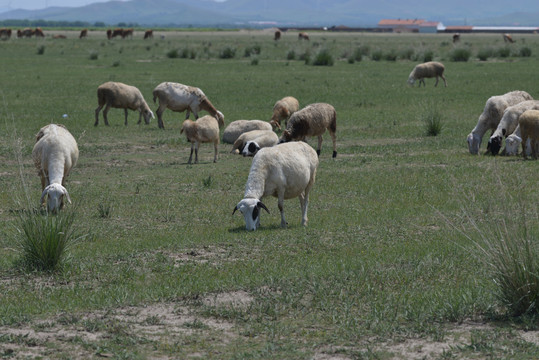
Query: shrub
[407, 54]
[252, 50]
[377, 55]
[227, 53]
[504, 52]
[41, 50]
[44, 239]
[94, 55]
[525, 51]
[432, 120]
[428, 56]
[254, 60]
[291, 55]
[323, 58]
[391, 55]
[460, 54]
[173, 54]
[485, 53]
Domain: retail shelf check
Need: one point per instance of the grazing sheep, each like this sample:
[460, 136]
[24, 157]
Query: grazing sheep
[529, 128]
[285, 171]
[303, 36]
[508, 38]
[263, 138]
[508, 124]
[179, 97]
[491, 116]
[121, 96]
[283, 109]
[427, 70]
[513, 141]
[55, 153]
[238, 127]
[312, 120]
[203, 130]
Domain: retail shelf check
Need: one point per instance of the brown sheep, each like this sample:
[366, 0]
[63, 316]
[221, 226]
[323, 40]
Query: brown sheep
[282, 110]
[203, 130]
[529, 129]
[122, 96]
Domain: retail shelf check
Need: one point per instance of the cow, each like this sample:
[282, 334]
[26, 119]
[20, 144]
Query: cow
[109, 34]
[83, 33]
[5, 33]
[38, 32]
[456, 38]
[148, 34]
[277, 35]
[117, 32]
[127, 32]
[508, 38]
[303, 36]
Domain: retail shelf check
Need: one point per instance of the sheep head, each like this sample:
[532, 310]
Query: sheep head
[285, 137]
[148, 115]
[250, 148]
[511, 144]
[220, 118]
[474, 141]
[55, 197]
[250, 208]
[494, 145]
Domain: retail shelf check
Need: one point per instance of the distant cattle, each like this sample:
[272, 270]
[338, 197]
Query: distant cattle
[83, 33]
[148, 34]
[26, 32]
[126, 33]
[5, 33]
[303, 36]
[38, 32]
[456, 38]
[109, 34]
[117, 32]
[277, 35]
[59, 36]
[508, 38]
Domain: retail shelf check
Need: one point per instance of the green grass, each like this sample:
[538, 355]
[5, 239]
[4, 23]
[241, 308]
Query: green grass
[378, 266]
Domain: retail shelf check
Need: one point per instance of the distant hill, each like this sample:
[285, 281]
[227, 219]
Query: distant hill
[289, 12]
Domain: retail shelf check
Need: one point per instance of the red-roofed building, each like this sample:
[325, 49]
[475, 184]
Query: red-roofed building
[399, 25]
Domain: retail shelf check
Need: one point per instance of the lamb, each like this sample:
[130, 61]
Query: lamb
[513, 141]
[312, 120]
[179, 97]
[529, 128]
[238, 127]
[427, 70]
[121, 96]
[491, 116]
[508, 123]
[259, 139]
[203, 130]
[283, 109]
[284, 171]
[55, 154]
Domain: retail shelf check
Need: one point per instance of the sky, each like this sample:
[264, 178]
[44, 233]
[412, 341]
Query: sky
[42, 4]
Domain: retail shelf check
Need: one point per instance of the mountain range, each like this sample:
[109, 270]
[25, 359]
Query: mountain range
[354, 13]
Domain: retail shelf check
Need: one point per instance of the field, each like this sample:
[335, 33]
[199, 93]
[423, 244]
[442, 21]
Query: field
[388, 267]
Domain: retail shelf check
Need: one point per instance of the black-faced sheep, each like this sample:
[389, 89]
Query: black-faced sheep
[508, 124]
[121, 96]
[529, 129]
[491, 116]
[312, 120]
[282, 110]
[238, 127]
[54, 154]
[203, 130]
[427, 70]
[284, 171]
[259, 138]
[178, 97]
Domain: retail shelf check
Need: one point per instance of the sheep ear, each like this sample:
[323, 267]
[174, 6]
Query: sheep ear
[67, 195]
[44, 193]
[151, 112]
[260, 204]
[235, 208]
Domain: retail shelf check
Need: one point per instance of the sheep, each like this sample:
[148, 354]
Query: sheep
[179, 97]
[122, 96]
[529, 128]
[238, 127]
[508, 123]
[427, 70]
[513, 141]
[508, 38]
[203, 130]
[55, 153]
[491, 116]
[262, 138]
[284, 171]
[283, 109]
[312, 120]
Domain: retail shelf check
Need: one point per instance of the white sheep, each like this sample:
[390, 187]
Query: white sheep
[491, 116]
[282, 110]
[427, 70]
[121, 96]
[529, 128]
[508, 124]
[236, 128]
[312, 120]
[262, 139]
[285, 171]
[203, 130]
[55, 153]
[513, 141]
[179, 97]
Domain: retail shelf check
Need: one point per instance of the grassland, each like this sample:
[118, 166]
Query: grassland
[165, 271]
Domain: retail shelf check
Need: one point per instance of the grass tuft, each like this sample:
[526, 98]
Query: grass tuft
[431, 116]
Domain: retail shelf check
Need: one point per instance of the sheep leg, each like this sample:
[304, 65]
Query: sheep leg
[304, 202]
[319, 144]
[334, 140]
[436, 84]
[215, 147]
[105, 112]
[443, 78]
[125, 112]
[196, 152]
[191, 155]
[159, 113]
[281, 209]
[139, 117]
[524, 140]
[97, 114]
[533, 143]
